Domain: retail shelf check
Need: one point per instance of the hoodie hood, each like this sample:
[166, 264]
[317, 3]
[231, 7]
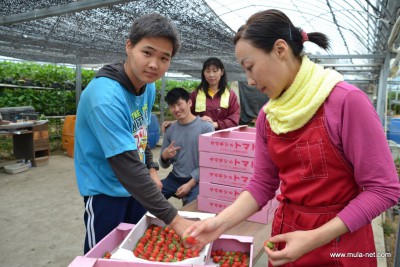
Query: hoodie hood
[117, 73]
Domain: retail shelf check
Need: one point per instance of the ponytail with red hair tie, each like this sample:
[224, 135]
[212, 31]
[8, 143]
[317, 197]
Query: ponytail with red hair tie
[304, 36]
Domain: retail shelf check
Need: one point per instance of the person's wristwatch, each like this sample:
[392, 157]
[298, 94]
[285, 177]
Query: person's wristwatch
[153, 165]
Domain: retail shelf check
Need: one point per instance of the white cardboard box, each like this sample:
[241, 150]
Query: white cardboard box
[225, 177]
[264, 216]
[217, 191]
[125, 250]
[226, 162]
[233, 141]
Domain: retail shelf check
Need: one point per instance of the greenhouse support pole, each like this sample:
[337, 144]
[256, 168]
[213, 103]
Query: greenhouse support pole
[162, 101]
[382, 91]
[397, 252]
[78, 84]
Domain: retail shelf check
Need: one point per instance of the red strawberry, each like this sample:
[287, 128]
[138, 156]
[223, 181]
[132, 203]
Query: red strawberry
[189, 239]
[107, 255]
[216, 259]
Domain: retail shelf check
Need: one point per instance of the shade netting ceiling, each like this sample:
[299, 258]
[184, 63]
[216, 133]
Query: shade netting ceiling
[94, 31]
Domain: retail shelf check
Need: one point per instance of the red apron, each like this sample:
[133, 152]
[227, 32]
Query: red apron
[316, 184]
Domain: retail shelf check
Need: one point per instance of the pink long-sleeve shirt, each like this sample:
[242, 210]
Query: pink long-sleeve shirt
[356, 131]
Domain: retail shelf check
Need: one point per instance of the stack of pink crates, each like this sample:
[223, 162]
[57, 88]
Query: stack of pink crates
[226, 167]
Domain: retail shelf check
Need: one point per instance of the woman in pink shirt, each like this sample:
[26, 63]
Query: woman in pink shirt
[320, 141]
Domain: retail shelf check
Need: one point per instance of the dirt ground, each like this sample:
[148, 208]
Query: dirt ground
[41, 215]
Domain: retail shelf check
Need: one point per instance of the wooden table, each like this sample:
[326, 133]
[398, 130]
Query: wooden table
[259, 231]
[30, 142]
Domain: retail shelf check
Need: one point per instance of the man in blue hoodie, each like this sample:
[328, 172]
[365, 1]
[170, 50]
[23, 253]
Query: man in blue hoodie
[114, 165]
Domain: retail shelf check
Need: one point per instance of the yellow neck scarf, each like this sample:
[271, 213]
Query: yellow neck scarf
[211, 92]
[201, 100]
[298, 104]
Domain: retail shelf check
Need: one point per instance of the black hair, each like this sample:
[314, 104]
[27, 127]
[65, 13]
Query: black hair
[263, 28]
[154, 25]
[175, 94]
[223, 82]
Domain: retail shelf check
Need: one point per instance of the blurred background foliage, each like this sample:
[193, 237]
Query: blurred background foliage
[50, 89]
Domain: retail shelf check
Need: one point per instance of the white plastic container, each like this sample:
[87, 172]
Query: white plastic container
[17, 167]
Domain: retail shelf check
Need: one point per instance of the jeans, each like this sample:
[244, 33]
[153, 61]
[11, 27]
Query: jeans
[173, 182]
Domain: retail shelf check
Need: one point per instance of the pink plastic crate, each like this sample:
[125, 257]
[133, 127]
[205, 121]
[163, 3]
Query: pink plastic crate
[226, 162]
[233, 243]
[111, 243]
[264, 216]
[234, 141]
[221, 192]
[224, 177]
[113, 240]
[82, 261]
[245, 128]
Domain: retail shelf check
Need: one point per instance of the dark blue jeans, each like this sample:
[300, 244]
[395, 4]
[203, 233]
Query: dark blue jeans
[172, 183]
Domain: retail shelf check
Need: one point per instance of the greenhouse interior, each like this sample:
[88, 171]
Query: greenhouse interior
[50, 50]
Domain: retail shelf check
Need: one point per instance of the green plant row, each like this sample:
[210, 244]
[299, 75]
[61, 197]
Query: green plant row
[60, 100]
[42, 75]
[394, 107]
[46, 102]
[56, 102]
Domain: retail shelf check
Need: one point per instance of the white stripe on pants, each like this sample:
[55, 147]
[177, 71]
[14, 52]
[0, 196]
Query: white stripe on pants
[89, 224]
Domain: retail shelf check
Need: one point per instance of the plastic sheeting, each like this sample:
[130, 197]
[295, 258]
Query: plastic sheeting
[251, 101]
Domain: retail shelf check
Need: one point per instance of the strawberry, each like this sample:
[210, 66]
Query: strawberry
[157, 245]
[216, 259]
[269, 244]
[189, 240]
[107, 255]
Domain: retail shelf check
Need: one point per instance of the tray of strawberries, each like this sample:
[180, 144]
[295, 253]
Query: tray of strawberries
[162, 244]
[153, 241]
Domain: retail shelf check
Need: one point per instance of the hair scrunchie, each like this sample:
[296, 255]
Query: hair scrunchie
[304, 36]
